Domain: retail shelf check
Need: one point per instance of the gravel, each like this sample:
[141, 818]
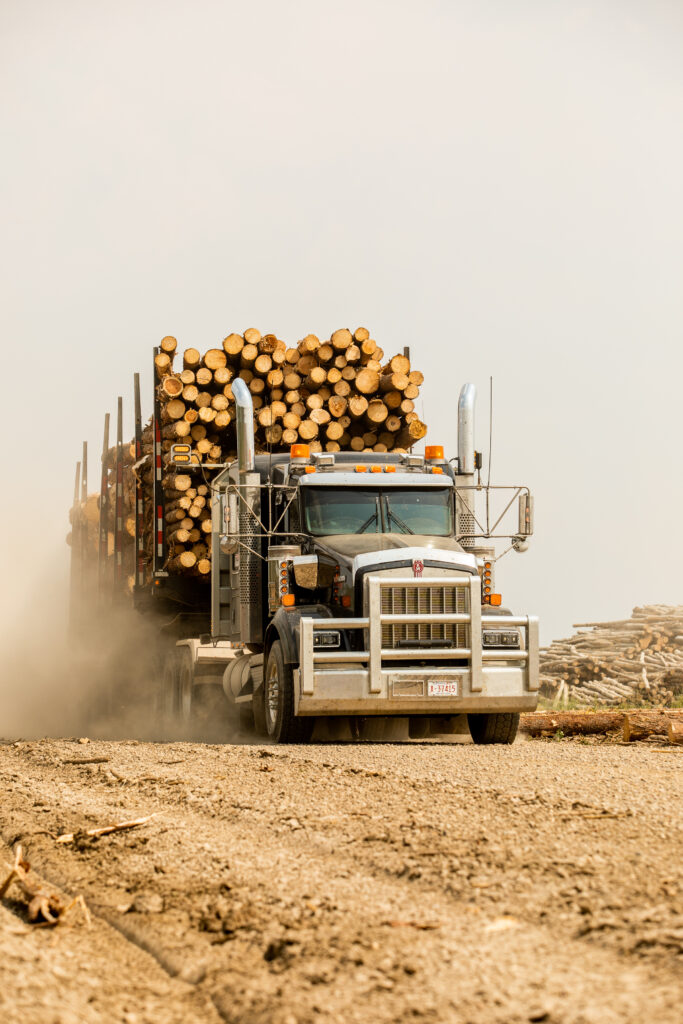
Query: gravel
[349, 883]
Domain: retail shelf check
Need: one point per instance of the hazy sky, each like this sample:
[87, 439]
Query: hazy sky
[496, 184]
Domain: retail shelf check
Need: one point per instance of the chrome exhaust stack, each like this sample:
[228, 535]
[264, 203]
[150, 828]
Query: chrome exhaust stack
[466, 402]
[245, 427]
[248, 517]
[464, 500]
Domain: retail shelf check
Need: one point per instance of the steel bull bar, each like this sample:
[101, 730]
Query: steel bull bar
[370, 681]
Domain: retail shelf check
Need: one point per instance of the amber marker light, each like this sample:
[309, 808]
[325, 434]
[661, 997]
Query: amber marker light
[309, 469]
[496, 600]
[288, 600]
[437, 469]
[375, 469]
[361, 469]
[390, 469]
[434, 451]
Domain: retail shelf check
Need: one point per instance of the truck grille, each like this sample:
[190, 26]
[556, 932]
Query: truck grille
[407, 600]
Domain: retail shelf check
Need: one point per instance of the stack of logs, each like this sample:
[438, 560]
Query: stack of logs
[608, 663]
[334, 395]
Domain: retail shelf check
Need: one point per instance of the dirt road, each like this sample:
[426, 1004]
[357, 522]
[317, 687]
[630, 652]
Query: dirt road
[341, 883]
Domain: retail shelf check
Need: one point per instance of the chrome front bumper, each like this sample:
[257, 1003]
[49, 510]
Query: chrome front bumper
[369, 682]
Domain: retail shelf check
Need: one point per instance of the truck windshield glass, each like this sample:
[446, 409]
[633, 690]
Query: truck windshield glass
[340, 510]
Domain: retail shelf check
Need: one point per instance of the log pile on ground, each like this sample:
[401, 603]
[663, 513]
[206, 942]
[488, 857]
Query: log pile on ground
[636, 660]
[340, 394]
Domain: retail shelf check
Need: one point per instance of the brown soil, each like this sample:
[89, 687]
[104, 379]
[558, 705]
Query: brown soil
[341, 883]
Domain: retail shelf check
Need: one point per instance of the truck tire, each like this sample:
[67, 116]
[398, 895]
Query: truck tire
[278, 701]
[493, 728]
[167, 694]
[185, 688]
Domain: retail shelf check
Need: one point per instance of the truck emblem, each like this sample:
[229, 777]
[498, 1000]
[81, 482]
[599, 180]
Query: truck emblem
[418, 567]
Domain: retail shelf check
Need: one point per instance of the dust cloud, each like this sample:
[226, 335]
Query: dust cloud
[93, 673]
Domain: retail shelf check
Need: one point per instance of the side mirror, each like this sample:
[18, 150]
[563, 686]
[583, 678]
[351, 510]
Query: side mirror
[526, 515]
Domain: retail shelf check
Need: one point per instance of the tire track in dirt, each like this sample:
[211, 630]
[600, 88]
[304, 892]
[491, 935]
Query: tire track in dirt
[323, 883]
[77, 974]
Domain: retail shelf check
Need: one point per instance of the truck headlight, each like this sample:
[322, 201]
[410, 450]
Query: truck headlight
[326, 638]
[500, 638]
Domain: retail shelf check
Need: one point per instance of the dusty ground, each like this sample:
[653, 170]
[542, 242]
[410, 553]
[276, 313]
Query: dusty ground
[375, 883]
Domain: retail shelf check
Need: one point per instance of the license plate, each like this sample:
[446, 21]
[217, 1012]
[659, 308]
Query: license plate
[442, 688]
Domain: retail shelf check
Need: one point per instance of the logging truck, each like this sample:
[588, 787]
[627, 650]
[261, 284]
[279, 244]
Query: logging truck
[344, 586]
[336, 576]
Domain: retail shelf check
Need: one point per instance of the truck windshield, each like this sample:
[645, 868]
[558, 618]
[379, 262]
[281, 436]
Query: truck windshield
[340, 510]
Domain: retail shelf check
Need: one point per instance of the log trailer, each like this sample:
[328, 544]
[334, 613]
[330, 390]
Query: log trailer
[346, 587]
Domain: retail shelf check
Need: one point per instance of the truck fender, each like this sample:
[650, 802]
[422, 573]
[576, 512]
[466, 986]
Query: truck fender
[284, 626]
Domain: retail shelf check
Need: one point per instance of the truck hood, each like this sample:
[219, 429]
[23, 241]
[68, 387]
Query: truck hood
[361, 550]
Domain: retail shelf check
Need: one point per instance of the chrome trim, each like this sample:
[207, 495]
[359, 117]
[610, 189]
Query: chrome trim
[371, 664]
[458, 559]
[466, 402]
[365, 479]
[246, 452]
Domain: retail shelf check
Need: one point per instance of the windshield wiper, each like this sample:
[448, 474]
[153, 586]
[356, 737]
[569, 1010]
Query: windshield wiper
[374, 518]
[397, 519]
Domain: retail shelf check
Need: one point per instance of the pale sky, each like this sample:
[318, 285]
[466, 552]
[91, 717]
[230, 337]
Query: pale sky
[496, 184]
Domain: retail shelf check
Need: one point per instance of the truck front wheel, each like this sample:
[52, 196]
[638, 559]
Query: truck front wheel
[278, 702]
[493, 728]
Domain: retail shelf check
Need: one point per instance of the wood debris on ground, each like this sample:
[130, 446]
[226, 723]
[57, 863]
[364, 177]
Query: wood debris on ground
[44, 905]
[103, 830]
[636, 660]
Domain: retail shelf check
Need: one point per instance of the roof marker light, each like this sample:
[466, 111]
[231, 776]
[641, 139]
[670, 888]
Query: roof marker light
[434, 452]
[300, 451]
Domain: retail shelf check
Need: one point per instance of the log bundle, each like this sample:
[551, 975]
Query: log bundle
[636, 660]
[333, 395]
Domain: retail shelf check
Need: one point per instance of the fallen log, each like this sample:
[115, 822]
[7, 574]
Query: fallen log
[675, 731]
[571, 723]
[638, 725]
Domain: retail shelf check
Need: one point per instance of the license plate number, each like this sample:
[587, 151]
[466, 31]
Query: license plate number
[442, 688]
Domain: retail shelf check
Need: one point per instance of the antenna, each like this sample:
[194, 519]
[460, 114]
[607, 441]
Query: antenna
[488, 482]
